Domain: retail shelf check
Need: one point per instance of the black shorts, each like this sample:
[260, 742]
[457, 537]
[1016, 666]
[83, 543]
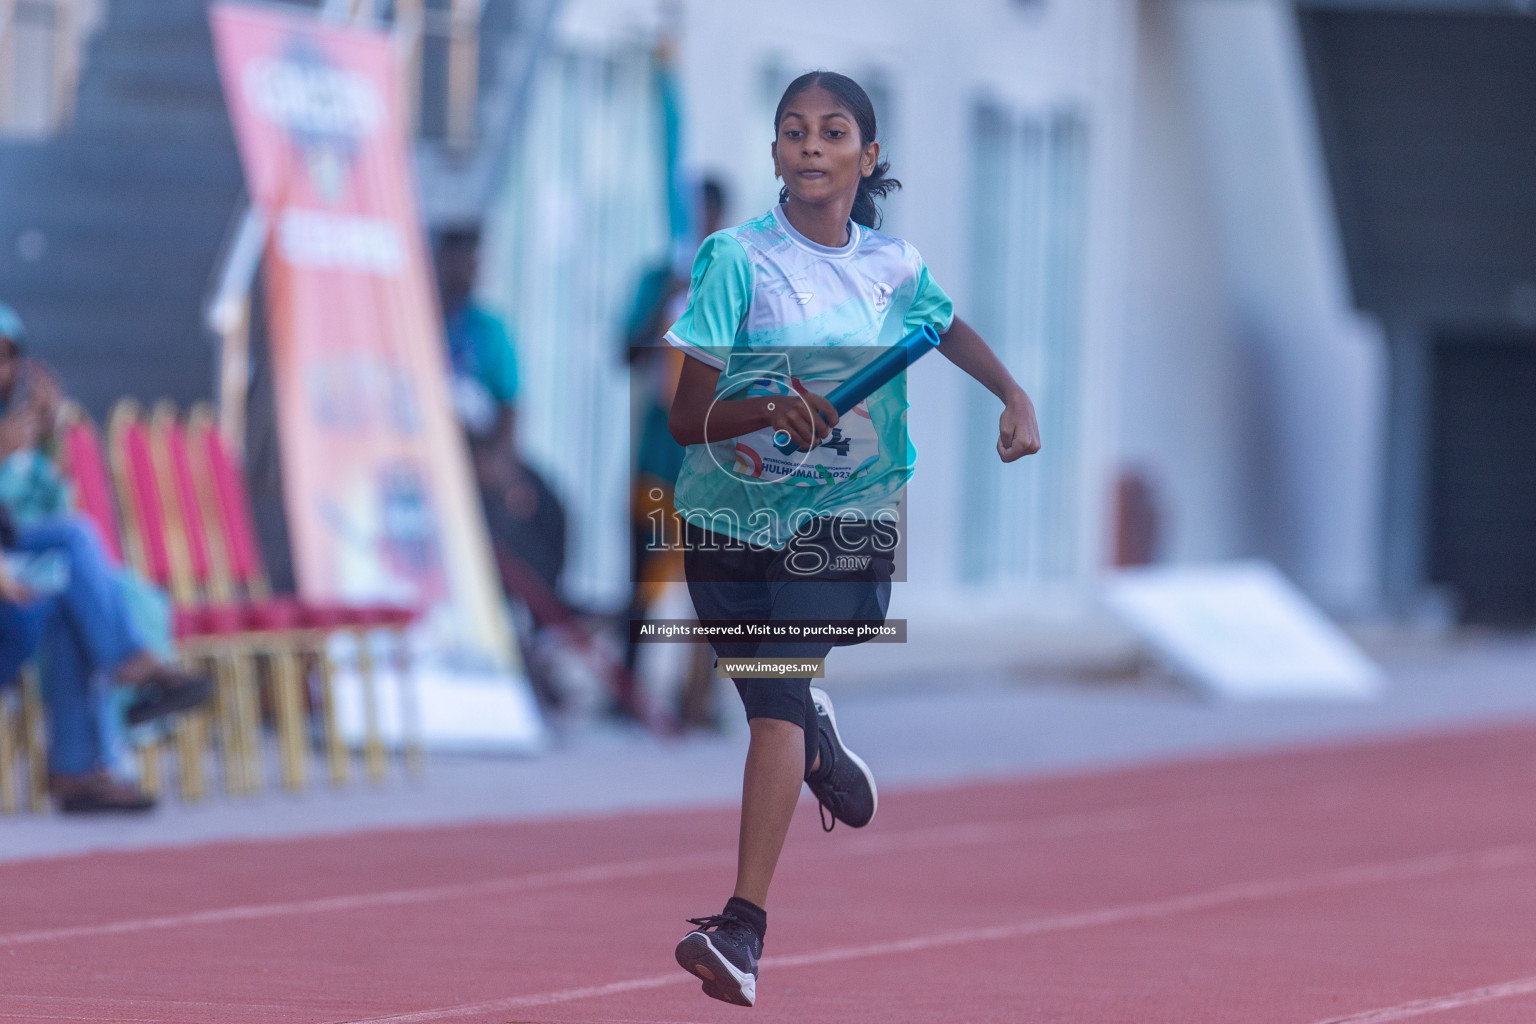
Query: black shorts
[830, 571]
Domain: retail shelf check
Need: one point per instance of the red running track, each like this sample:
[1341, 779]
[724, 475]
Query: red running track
[1361, 884]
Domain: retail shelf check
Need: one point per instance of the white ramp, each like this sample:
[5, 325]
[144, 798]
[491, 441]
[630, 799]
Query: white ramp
[457, 708]
[1242, 631]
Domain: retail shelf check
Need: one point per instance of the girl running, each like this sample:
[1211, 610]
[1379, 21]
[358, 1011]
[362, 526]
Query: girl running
[781, 310]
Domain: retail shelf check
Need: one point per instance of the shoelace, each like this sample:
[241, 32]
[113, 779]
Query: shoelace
[826, 824]
[822, 807]
[714, 921]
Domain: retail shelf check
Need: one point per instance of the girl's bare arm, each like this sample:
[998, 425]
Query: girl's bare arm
[1017, 432]
[694, 404]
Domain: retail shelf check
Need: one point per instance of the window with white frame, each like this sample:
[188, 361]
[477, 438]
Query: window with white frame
[1028, 224]
[583, 216]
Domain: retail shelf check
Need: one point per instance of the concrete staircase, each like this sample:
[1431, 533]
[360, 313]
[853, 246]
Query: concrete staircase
[1429, 118]
[109, 232]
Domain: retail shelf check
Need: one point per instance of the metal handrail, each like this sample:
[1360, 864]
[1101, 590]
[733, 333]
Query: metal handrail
[454, 188]
[66, 59]
[69, 27]
[459, 24]
[463, 71]
[7, 14]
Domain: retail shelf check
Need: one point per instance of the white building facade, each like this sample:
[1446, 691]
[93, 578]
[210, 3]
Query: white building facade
[1125, 197]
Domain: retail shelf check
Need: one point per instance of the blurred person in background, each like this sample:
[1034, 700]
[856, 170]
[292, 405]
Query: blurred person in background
[521, 509]
[93, 612]
[660, 298]
[524, 518]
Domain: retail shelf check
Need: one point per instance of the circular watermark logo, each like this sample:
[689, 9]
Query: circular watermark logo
[747, 462]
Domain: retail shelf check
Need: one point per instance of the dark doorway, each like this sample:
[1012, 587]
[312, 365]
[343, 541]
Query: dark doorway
[1482, 501]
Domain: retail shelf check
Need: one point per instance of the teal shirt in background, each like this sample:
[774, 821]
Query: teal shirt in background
[481, 346]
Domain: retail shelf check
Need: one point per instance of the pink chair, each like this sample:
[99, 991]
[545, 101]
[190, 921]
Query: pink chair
[87, 471]
[219, 491]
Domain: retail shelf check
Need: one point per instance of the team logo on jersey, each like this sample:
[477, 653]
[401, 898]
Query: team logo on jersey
[882, 296]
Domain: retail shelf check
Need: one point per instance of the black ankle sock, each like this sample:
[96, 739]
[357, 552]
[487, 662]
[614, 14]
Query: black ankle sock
[749, 914]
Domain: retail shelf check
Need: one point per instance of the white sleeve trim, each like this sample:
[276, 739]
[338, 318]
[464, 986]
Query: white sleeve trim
[694, 351]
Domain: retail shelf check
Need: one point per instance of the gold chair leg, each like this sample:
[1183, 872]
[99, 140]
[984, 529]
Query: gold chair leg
[33, 734]
[149, 769]
[335, 750]
[373, 740]
[410, 708]
[247, 688]
[289, 702]
[241, 724]
[8, 754]
[228, 754]
[192, 731]
[190, 778]
[218, 714]
[277, 688]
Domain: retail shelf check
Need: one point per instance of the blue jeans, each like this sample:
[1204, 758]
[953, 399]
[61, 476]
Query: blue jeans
[87, 631]
[74, 745]
[21, 631]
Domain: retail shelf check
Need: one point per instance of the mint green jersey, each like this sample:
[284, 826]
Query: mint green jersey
[780, 315]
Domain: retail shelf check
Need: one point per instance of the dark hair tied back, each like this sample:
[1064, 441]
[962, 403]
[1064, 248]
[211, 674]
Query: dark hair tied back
[852, 96]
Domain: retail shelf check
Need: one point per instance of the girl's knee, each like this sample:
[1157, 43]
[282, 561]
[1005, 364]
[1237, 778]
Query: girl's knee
[774, 698]
[773, 726]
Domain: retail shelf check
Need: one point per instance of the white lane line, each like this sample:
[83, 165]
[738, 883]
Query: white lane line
[116, 1009]
[388, 898]
[934, 837]
[1414, 869]
[95, 1018]
[1434, 1004]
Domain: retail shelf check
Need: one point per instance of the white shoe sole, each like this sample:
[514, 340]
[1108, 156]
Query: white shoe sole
[722, 979]
[823, 701]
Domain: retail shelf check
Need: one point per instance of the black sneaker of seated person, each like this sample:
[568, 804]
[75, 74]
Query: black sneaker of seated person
[97, 793]
[723, 950]
[843, 784]
[165, 692]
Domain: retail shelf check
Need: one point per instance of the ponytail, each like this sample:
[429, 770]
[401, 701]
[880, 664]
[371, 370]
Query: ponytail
[850, 94]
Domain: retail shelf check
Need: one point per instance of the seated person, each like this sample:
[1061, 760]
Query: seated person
[75, 776]
[89, 626]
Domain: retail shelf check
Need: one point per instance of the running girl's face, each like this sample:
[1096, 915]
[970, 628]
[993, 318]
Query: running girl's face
[818, 152]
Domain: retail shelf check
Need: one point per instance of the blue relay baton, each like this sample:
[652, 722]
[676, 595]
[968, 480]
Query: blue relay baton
[875, 374]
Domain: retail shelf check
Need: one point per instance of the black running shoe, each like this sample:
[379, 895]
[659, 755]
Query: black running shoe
[724, 952]
[846, 788]
[168, 692]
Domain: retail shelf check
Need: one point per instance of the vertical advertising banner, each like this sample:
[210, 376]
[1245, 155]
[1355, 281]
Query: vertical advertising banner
[380, 500]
